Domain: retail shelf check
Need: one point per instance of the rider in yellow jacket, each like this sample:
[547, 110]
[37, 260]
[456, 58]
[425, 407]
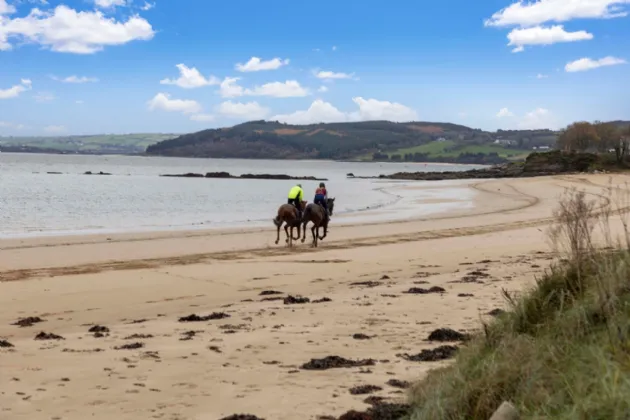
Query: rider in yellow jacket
[296, 195]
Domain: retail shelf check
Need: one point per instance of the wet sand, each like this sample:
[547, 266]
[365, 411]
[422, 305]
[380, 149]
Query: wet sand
[250, 354]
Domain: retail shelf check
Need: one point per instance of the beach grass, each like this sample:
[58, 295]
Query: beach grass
[562, 350]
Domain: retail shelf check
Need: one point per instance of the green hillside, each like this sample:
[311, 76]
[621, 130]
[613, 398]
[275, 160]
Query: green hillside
[369, 140]
[93, 144]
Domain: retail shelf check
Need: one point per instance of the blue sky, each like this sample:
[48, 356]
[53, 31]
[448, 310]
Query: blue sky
[121, 66]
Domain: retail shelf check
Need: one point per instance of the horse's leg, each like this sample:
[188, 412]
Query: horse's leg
[298, 229]
[304, 231]
[325, 225]
[314, 235]
[278, 236]
[286, 230]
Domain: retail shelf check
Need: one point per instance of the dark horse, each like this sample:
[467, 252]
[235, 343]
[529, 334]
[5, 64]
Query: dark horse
[317, 214]
[288, 214]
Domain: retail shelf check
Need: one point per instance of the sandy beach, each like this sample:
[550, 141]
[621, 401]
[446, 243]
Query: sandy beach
[250, 358]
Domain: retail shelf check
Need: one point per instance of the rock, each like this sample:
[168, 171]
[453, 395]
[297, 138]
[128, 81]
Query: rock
[227, 175]
[96, 173]
[332, 362]
[433, 355]
[506, 411]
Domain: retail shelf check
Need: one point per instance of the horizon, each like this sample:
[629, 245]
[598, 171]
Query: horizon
[158, 67]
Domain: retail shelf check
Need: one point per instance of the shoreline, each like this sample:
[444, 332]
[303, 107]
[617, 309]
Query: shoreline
[239, 226]
[368, 290]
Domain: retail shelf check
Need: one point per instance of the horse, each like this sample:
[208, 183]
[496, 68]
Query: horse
[288, 214]
[317, 214]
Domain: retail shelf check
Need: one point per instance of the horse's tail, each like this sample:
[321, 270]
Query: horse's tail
[277, 221]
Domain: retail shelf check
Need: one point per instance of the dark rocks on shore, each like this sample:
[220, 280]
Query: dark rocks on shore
[227, 175]
[536, 164]
[96, 173]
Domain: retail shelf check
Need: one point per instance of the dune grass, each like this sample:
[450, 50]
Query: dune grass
[562, 350]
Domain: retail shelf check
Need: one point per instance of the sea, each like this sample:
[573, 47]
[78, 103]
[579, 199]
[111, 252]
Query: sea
[44, 195]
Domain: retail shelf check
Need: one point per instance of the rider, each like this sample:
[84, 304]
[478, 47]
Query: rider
[321, 198]
[296, 195]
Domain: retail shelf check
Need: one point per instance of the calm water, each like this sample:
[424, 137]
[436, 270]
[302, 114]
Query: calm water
[135, 198]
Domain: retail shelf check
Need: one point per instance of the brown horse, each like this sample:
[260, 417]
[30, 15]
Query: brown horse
[288, 214]
[316, 214]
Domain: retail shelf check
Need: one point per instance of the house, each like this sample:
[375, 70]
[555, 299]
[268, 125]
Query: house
[505, 142]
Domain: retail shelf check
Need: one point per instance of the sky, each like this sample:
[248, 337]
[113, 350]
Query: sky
[175, 66]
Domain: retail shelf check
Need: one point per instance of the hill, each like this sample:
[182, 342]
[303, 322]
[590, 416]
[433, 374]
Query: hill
[368, 140]
[126, 144]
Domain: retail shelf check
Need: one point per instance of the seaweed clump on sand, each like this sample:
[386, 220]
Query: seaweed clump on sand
[334, 362]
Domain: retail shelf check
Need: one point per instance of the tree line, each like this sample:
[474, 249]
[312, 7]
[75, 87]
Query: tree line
[583, 136]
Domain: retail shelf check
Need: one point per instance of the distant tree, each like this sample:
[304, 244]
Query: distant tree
[580, 136]
[608, 135]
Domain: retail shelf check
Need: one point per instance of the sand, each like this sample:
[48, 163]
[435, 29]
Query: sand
[139, 285]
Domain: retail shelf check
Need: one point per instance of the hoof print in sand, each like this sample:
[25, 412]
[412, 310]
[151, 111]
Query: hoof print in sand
[433, 355]
[365, 389]
[296, 300]
[366, 283]
[48, 336]
[28, 322]
[5, 344]
[130, 346]
[446, 335]
[421, 291]
[333, 362]
[197, 318]
[242, 417]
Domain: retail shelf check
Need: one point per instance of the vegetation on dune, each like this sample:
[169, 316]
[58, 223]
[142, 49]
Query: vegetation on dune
[563, 350]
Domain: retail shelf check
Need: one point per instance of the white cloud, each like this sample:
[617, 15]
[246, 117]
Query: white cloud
[202, 117]
[190, 78]
[373, 109]
[110, 3]
[6, 9]
[369, 109]
[229, 88]
[318, 112]
[539, 118]
[44, 97]
[5, 124]
[504, 113]
[290, 88]
[147, 6]
[536, 12]
[323, 89]
[539, 35]
[75, 79]
[79, 101]
[584, 64]
[334, 48]
[14, 91]
[55, 129]
[69, 31]
[248, 111]
[256, 64]
[163, 101]
[331, 75]
[541, 76]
